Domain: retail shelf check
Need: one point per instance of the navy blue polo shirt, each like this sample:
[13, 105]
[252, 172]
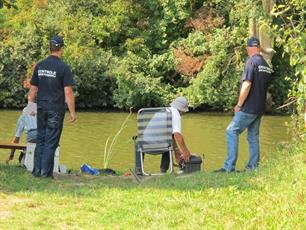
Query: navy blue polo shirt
[51, 76]
[258, 72]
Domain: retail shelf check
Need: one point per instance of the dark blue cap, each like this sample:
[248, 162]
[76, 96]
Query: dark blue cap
[57, 41]
[253, 42]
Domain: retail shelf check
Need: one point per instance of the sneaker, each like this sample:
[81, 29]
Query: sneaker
[163, 170]
[248, 169]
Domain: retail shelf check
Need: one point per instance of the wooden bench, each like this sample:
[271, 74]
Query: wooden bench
[13, 146]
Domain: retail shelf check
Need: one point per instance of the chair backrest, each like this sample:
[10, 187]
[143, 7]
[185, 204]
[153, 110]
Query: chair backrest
[154, 129]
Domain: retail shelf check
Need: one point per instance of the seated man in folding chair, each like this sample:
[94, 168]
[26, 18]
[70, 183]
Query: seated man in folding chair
[177, 107]
[27, 121]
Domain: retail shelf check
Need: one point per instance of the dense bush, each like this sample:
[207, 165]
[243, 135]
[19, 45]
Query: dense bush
[289, 28]
[131, 53]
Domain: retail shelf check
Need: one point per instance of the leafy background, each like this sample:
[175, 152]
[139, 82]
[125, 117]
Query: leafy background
[137, 53]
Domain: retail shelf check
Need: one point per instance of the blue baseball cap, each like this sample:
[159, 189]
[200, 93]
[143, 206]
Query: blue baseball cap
[253, 42]
[57, 41]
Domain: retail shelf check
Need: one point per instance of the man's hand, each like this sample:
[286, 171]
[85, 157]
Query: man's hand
[72, 117]
[244, 92]
[186, 157]
[237, 108]
[15, 140]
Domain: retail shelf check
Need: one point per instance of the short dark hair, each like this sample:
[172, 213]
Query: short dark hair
[53, 47]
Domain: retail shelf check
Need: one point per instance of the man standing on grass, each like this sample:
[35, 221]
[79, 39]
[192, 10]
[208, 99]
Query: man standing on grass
[249, 109]
[51, 84]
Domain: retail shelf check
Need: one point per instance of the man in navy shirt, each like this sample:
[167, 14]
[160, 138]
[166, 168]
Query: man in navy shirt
[249, 109]
[51, 84]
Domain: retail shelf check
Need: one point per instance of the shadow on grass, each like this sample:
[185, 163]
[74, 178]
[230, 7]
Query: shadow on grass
[16, 179]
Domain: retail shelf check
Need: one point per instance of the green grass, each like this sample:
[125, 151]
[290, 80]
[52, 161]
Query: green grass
[271, 198]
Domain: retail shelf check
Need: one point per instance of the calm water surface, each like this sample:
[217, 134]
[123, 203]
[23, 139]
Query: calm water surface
[84, 141]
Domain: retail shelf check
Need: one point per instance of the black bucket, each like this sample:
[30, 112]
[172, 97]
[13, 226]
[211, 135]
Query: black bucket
[193, 165]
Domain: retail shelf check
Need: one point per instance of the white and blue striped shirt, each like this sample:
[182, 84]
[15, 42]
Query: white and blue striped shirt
[26, 122]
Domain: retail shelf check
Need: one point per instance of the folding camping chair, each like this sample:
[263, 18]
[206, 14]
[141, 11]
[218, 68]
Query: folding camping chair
[154, 134]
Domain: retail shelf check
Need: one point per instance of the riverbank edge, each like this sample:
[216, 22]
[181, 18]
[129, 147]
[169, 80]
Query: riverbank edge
[272, 197]
[192, 111]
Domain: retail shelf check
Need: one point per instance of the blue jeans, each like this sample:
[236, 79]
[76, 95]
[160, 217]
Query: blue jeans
[49, 129]
[32, 136]
[240, 122]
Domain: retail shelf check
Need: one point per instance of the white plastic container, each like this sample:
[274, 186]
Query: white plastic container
[29, 158]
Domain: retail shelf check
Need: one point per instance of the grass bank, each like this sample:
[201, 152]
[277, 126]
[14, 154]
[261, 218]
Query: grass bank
[270, 198]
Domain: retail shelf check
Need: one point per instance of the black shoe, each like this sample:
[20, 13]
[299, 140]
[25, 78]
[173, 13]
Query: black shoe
[36, 174]
[222, 170]
[47, 176]
[163, 170]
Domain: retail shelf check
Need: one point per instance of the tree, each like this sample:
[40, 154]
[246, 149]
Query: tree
[8, 4]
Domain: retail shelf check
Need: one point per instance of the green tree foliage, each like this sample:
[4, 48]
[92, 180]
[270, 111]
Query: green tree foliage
[289, 27]
[7, 3]
[135, 53]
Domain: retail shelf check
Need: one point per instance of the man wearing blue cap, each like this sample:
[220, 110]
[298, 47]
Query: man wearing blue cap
[249, 108]
[51, 85]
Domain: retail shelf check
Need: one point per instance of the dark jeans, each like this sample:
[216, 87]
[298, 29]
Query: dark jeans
[49, 129]
[164, 163]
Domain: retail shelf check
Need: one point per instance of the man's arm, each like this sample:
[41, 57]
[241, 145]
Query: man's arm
[32, 93]
[70, 102]
[244, 92]
[182, 146]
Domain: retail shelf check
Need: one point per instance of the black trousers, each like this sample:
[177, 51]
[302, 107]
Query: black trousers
[164, 163]
[49, 129]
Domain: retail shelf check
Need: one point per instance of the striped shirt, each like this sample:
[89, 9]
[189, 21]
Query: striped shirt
[26, 122]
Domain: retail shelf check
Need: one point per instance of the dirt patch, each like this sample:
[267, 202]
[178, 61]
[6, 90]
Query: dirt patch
[6, 203]
[5, 214]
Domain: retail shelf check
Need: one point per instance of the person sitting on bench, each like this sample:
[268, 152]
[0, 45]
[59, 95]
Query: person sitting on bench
[27, 122]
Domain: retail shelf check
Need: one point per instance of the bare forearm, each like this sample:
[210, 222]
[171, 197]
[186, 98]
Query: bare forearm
[32, 94]
[244, 92]
[70, 102]
[181, 143]
[70, 99]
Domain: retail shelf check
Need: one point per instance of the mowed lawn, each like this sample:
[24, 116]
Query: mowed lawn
[272, 197]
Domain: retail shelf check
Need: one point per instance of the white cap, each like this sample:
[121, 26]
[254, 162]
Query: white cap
[180, 103]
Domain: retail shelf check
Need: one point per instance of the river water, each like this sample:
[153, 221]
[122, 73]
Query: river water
[84, 140]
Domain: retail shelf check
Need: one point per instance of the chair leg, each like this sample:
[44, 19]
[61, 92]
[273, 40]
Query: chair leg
[155, 174]
[141, 162]
[171, 161]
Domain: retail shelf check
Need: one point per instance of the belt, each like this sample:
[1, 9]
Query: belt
[31, 130]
